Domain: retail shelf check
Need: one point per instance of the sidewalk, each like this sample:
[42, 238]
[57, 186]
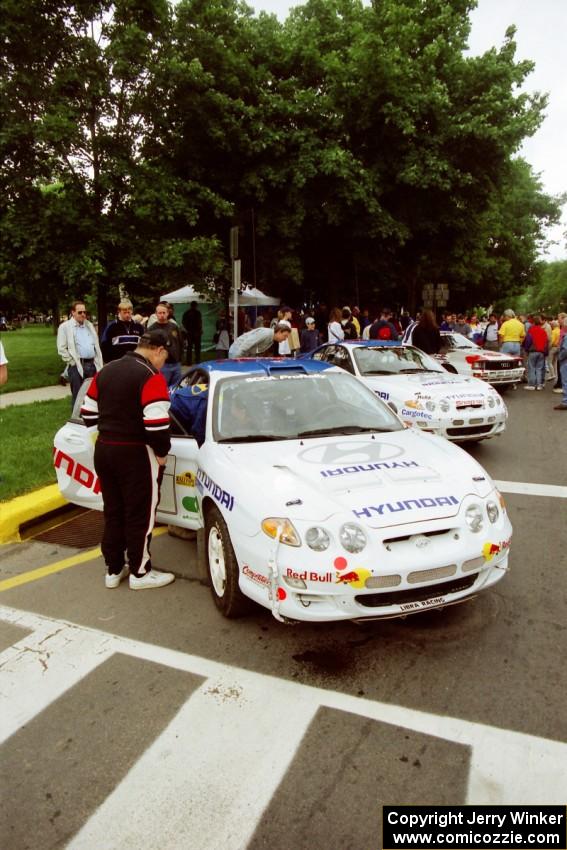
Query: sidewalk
[37, 394]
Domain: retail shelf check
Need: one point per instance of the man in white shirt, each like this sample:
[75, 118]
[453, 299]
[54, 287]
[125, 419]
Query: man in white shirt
[77, 345]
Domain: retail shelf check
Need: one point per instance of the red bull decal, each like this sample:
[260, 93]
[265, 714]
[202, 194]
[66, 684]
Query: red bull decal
[311, 576]
[79, 473]
[490, 550]
[354, 578]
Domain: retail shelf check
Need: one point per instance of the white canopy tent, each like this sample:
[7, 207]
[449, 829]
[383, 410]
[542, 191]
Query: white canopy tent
[249, 297]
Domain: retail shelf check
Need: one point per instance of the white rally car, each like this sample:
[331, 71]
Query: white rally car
[467, 358]
[317, 502]
[420, 390]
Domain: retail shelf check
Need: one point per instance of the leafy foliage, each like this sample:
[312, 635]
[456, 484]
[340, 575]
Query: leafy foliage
[360, 149]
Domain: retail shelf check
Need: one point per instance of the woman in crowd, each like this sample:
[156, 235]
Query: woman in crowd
[426, 335]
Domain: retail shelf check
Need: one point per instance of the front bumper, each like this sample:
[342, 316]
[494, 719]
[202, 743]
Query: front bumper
[463, 426]
[318, 607]
[405, 569]
[500, 376]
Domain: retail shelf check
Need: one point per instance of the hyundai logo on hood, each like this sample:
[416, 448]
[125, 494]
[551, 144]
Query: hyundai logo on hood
[347, 453]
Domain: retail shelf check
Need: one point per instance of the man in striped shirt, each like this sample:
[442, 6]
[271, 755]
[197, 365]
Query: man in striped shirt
[128, 403]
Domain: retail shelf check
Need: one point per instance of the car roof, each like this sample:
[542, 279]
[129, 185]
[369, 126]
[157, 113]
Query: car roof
[262, 366]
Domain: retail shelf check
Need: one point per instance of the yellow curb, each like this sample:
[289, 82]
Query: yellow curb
[25, 508]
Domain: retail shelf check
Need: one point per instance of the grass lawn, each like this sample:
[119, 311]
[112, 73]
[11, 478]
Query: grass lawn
[26, 460]
[33, 358]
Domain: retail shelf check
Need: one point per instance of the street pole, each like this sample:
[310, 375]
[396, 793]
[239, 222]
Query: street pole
[235, 275]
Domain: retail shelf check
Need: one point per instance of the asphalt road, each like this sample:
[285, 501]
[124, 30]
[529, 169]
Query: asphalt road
[146, 720]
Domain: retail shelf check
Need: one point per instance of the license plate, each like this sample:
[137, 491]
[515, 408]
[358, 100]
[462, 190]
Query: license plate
[424, 603]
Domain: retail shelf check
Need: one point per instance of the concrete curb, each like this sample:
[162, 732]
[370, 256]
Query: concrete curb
[25, 508]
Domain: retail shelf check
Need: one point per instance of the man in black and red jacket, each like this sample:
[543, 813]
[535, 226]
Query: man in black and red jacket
[128, 402]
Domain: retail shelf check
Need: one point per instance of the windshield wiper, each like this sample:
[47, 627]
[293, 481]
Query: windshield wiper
[379, 372]
[343, 429]
[407, 371]
[252, 438]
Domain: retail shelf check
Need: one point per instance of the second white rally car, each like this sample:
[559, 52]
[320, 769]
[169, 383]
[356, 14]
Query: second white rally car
[316, 501]
[420, 390]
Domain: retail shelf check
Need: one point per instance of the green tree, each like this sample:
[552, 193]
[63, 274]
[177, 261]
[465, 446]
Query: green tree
[84, 115]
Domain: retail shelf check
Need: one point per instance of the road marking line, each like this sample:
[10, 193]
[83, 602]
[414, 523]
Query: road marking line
[524, 489]
[41, 667]
[505, 766]
[58, 566]
[41, 572]
[217, 765]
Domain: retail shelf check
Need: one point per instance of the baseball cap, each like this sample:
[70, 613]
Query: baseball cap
[285, 323]
[156, 338]
[309, 320]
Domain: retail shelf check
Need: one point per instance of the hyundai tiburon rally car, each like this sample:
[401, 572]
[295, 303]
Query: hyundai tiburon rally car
[420, 390]
[316, 501]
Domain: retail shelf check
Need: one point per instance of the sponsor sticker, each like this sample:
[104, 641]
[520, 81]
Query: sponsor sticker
[490, 550]
[368, 467]
[219, 495]
[186, 479]
[191, 504]
[423, 603]
[81, 474]
[415, 414]
[407, 505]
[257, 578]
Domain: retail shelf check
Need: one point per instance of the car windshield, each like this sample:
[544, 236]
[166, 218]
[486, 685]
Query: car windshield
[454, 341]
[382, 360]
[285, 407]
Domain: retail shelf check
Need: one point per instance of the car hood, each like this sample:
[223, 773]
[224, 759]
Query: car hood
[483, 354]
[429, 385]
[366, 477]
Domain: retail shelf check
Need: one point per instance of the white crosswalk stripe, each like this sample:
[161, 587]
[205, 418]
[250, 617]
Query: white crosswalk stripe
[219, 762]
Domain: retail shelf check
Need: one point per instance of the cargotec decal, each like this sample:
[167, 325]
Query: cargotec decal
[408, 505]
[258, 578]
[220, 495]
[79, 473]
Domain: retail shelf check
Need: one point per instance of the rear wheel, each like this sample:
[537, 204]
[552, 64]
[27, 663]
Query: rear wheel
[223, 568]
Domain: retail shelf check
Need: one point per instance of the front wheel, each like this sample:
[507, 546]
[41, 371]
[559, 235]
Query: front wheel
[223, 568]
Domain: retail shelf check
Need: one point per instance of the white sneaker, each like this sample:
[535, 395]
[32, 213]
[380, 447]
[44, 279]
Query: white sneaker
[557, 390]
[113, 580]
[529, 388]
[154, 578]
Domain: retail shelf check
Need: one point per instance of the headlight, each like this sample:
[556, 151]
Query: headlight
[491, 401]
[274, 525]
[473, 517]
[317, 539]
[430, 405]
[492, 511]
[445, 405]
[352, 537]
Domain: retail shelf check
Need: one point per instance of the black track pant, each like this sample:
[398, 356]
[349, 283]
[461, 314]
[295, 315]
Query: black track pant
[129, 479]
